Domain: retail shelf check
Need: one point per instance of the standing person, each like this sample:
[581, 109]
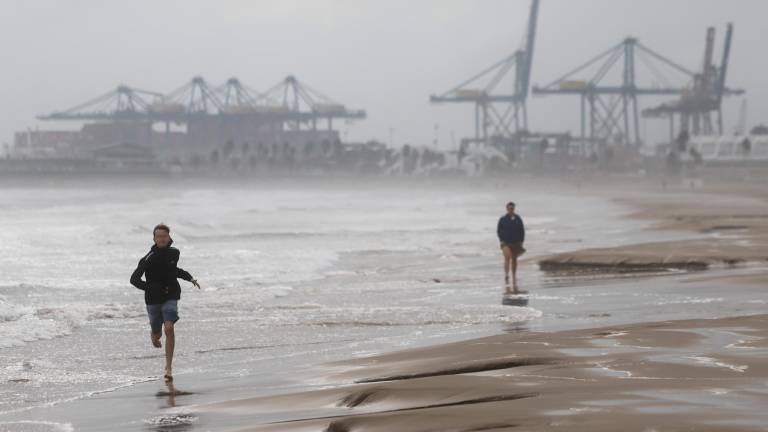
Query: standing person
[161, 290]
[511, 232]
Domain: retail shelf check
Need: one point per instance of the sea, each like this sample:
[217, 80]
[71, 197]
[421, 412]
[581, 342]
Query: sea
[295, 273]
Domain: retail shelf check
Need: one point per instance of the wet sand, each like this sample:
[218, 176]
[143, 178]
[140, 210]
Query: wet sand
[697, 374]
[673, 375]
[732, 221]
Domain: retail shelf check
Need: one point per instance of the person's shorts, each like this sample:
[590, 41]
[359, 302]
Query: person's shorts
[160, 313]
[516, 248]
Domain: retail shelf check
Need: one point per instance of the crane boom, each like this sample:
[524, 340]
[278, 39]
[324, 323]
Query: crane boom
[707, 67]
[530, 42]
[724, 63]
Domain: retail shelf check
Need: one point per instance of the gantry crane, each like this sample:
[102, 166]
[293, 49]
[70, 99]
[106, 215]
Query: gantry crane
[300, 104]
[705, 94]
[123, 103]
[609, 110]
[499, 112]
[290, 103]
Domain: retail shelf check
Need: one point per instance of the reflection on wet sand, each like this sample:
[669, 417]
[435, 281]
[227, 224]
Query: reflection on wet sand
[171, 393]
[514, 297]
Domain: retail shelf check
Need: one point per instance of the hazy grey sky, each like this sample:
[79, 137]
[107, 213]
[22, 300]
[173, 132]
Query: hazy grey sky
[384, 56]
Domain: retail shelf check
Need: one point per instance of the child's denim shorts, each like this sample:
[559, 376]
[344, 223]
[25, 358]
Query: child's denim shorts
[159, 313]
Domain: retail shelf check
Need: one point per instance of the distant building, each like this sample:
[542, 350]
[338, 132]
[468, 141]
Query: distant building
[46, 144]
[203, 140]
[125, 153]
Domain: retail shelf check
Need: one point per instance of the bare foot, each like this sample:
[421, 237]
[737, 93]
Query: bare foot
[156, 340]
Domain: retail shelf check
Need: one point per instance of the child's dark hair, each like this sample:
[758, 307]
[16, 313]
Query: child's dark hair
[162, 227]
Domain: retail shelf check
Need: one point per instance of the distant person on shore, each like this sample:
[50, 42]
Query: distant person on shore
[161, 290]
[511, 232]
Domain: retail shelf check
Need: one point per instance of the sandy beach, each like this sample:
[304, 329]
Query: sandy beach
[674, 375]
[644, 311]
[705, 374]
[736, 215]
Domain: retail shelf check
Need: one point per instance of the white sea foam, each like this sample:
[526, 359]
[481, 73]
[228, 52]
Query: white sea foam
[402, 316]
[38, 425]
[691, 300]
[709, 361]
[25, 323]
[171, 420]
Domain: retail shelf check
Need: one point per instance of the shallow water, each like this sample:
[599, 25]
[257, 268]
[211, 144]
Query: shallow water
[293, 272]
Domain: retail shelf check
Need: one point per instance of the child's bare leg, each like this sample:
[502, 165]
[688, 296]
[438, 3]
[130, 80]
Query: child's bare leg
[170, 341]
[156, 339]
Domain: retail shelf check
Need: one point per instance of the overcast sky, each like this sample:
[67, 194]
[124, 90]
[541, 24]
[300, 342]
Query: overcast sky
[384, 56]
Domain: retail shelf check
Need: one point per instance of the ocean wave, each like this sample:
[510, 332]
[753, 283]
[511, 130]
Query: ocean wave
[26, 288]
[325, 233]
[39, 425]
[171, 420]
[302, 306]
[403, 316]
[78, 314]
[691, 300]
[20, 324]
[29, 328]
[255, 235]
[10, 312]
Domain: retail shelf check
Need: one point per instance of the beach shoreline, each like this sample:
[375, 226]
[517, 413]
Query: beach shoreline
[261, 377]
[707, 373]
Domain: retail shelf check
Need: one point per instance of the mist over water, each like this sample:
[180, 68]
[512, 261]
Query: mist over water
[293, 274]
[287, 269]
[333, 173]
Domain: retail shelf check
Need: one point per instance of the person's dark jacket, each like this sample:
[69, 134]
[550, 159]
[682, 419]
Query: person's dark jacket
[511, 230]
[161, 273]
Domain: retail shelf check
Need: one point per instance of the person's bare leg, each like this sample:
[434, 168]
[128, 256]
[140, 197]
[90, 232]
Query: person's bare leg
[514, 271]
[170, 340]
[507, 257]
[156, 339]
